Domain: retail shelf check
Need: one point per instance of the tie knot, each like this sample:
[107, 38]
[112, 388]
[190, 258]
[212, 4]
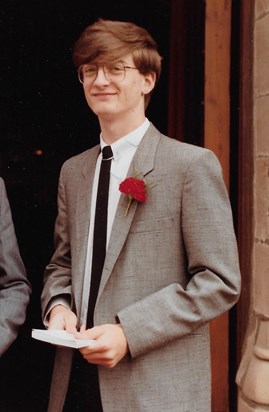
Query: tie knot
[107, 153]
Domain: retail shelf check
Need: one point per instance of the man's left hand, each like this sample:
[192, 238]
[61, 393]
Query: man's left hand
[110, 344]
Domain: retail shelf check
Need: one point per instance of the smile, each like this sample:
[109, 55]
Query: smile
[103, 94]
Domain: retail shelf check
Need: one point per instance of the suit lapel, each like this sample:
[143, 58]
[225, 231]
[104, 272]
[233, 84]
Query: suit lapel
[143, 163]
[84, 192]
[83, 208]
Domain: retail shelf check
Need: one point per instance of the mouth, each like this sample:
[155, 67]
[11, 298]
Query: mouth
[103, 95]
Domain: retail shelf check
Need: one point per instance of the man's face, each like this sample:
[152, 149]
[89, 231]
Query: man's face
[116, 90]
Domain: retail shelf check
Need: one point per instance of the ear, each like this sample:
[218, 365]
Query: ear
[149, 82]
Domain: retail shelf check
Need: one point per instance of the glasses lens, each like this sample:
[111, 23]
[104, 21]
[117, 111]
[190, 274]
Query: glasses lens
[115, 72]
[87, 72]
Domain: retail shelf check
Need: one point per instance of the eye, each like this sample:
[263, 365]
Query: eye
[116, 69]
[89, 70]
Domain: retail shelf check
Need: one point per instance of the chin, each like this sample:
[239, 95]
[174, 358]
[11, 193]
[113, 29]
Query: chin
[104, 112]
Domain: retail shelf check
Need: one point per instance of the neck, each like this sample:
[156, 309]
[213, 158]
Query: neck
[114, 129]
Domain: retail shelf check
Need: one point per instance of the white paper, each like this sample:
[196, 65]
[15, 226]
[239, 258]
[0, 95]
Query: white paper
[60, 338]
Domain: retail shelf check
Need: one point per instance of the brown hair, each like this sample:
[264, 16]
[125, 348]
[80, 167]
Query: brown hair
[108, 41]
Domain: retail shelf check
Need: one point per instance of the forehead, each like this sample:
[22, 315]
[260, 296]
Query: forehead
[126, 59]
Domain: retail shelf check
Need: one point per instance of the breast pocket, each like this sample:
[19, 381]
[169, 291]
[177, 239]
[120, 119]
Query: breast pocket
[156, 225]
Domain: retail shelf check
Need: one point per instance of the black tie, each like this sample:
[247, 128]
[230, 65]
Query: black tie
[100, 229]
[85, 375]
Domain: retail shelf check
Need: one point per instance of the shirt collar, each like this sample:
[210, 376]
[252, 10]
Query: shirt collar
[127, 142]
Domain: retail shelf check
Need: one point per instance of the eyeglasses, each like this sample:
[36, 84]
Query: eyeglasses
[113, 72]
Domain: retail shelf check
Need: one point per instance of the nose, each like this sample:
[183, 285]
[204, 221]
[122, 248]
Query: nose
[101, 77]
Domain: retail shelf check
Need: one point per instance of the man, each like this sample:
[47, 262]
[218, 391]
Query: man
[171, 262]
[14, 286]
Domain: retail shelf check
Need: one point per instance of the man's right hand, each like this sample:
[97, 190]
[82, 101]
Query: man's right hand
[61, 317]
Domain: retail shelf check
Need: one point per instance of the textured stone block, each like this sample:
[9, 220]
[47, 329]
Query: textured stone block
[261, 56]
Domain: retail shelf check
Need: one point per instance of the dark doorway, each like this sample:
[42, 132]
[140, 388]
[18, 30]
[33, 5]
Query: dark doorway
[45, 120]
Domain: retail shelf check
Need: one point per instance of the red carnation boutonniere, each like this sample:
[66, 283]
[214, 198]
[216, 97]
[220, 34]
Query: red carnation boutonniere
[135, 189]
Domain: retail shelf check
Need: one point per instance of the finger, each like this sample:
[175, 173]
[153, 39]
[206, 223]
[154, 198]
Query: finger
[96, 332]
[56, 323]
[71, 322]
[83, 328]
[82, 333]
[71, 327]
[107, 362]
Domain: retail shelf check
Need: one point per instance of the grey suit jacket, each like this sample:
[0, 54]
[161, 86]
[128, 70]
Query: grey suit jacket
[171, 267]
[14, 286]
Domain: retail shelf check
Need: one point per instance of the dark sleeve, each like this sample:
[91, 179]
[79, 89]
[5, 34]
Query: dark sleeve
[14, 287]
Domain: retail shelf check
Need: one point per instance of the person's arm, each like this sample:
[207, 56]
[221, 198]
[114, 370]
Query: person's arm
[212, 265]
[56, 294]
[15, 289]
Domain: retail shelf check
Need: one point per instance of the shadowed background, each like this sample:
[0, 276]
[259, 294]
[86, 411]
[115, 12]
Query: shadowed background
[44, 119]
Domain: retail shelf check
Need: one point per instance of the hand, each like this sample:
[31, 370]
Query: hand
[110, 344]
[62, 318]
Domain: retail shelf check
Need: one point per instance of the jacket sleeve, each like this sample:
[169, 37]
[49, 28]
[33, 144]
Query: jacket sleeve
[14, 287]
[57, 276]
[212, 267]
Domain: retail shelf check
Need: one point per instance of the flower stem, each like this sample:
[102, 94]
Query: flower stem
[128, 206]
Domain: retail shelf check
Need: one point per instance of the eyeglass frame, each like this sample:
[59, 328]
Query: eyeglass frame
[103, 66]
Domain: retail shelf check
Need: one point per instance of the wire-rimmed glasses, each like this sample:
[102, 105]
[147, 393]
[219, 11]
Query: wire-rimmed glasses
[113, 72]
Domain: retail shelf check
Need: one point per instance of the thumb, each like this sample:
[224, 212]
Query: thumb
[96, 332]
[56, 323]
[82, 333]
